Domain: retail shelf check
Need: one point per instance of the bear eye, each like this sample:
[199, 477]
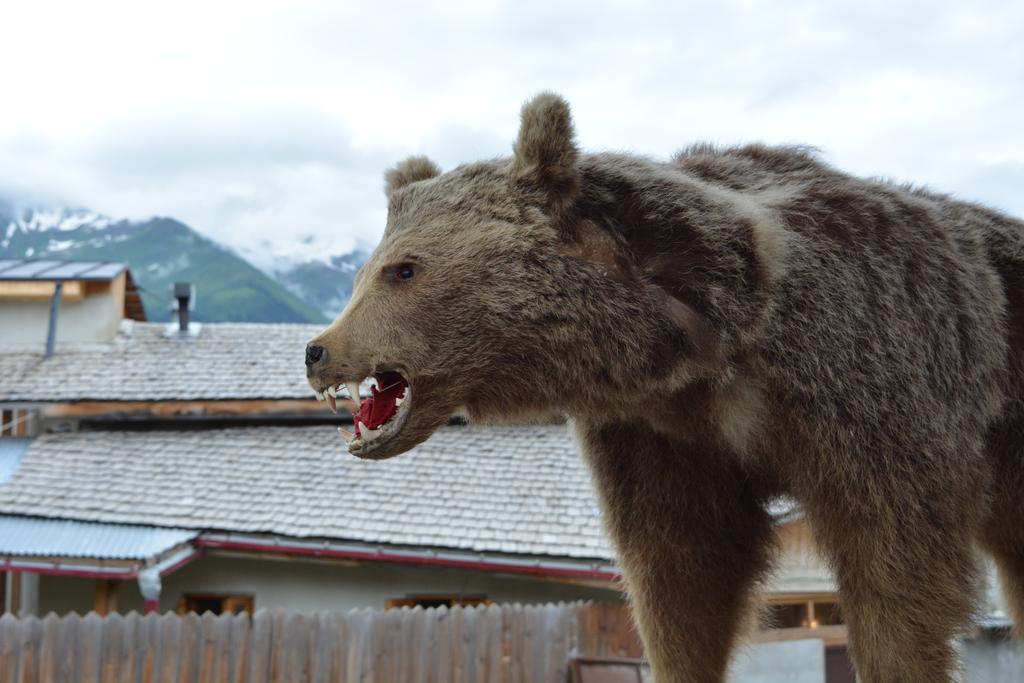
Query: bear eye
[403, 271]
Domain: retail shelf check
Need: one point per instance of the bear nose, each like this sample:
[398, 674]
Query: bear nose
[313, 354]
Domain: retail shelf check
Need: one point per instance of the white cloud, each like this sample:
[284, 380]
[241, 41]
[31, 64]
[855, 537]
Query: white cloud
[271, 122]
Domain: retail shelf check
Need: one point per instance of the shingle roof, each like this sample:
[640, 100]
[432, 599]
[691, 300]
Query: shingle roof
[520, 490]
[28, 536]
[225, 361]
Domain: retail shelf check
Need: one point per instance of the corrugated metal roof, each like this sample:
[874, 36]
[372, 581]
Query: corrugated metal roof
[12, 450]
[47, 270]
[31, 536]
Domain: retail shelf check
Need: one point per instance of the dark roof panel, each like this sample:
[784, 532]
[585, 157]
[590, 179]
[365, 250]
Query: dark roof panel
[104, 271]
[45, 270]
[30, 270]
[71, 270]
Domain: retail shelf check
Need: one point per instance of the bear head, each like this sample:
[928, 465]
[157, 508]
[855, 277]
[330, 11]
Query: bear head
[491, 294]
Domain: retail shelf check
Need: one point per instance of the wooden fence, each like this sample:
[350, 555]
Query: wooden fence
[507, 643]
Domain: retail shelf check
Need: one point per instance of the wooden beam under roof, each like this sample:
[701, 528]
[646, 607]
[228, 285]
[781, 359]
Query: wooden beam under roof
[36, 290]
[81, 409]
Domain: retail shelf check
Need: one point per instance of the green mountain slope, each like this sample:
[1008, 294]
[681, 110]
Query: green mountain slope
[161, 251]
[327, 284]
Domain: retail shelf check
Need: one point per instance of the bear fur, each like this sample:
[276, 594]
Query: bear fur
[722, 329]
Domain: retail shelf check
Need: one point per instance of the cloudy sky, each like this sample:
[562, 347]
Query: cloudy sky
[267, 125]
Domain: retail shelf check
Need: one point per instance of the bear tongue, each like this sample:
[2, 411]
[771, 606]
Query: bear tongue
[380, 407]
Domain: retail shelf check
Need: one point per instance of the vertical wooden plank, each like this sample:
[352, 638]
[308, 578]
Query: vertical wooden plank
[405, 648]
[458, 621]
[296, 645]
[467, 645]
[569, 623]
[320, 650]
[357, 628]
[10, 639]
[389, 650]
[309, 653]
[511, 617]
[399, 644]
[495, 645]
[190, 646]
[67, 636]
[169, 637]
[240, 631]
[31, 642]
[48, 649]
[537, 648]
[278, 651]
[442, 648]
[207, 652]
[89, 650]
[339, 636]
[419, 654]
[353, 647]
[556, 628]
[376, 641]
[222, 645]
[112, 639]
[258, 667]
[130, 634]
[150, 647]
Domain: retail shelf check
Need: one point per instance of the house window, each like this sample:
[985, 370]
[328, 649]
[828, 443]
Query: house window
[9, 422]
[15, 422]
[217, 603]
[827, 613]
[802, 613]
[426, 601]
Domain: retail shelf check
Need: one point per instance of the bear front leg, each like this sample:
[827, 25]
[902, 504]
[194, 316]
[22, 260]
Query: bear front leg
[907, 575]
[692, 540]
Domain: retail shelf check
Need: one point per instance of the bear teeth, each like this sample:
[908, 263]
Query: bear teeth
[368, 434]
[353, 392]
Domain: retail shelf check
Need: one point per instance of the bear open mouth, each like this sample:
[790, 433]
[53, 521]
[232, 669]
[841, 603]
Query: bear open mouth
[380, 417]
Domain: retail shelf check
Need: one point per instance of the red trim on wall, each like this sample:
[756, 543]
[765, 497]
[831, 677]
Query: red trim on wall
[182, 562]
[56, 570]
[375, 556]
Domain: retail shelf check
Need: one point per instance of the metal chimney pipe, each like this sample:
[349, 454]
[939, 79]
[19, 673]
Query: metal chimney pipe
[51, 332]
[182, 292]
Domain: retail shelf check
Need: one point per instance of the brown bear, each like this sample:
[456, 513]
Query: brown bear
[724, 328]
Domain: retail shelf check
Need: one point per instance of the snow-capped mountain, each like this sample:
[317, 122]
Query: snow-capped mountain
[55, 223]
[326, 283]
[159, 251]
[61, 219]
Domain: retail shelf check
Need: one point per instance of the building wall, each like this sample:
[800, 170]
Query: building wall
[93, 318]
[993, 657]
[800, 567]
[309, 585]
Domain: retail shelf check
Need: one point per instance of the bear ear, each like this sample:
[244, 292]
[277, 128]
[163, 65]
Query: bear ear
[545, 151]
[409, 171]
